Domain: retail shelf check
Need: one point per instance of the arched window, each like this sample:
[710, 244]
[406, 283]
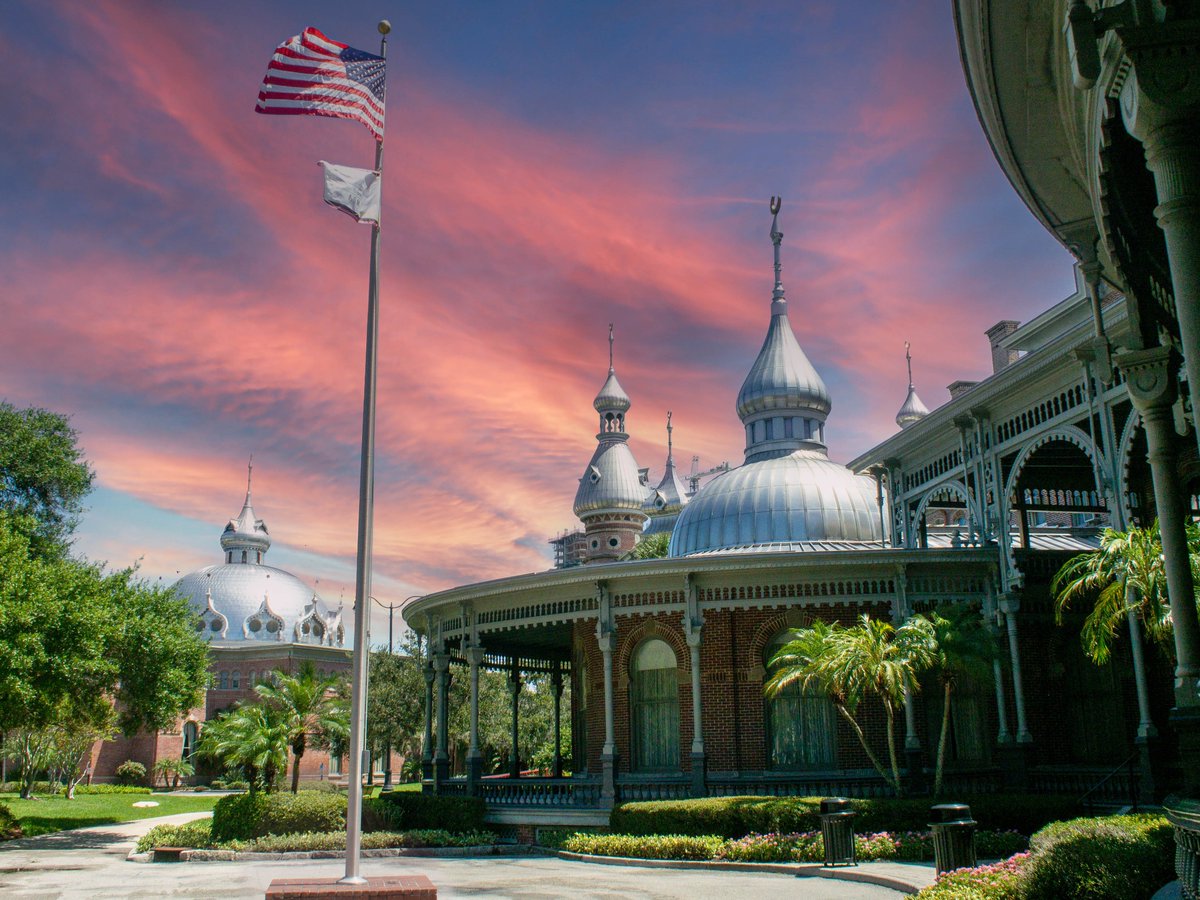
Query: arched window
[235, 679]
[252, 678]
[654, 692]
[801, 725]
[190, 734]
[224, 681]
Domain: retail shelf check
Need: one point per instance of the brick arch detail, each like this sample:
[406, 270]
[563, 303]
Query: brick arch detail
[768, 629]
[647, 629]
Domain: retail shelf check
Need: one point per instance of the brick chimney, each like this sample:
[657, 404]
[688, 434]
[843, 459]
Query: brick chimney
[958, 388]
[1002, 358]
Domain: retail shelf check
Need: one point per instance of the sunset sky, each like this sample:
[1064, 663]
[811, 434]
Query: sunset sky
[171, 280]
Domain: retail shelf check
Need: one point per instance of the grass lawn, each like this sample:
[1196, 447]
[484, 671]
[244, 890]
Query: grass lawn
[47, 814]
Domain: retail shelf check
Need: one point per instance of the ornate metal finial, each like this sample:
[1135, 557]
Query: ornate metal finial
[610, 347]
[669, 447]
[908, 357]
[777, 240]
[249, 475]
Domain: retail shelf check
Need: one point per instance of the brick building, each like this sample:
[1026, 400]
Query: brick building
[979, 502]
[259, 620]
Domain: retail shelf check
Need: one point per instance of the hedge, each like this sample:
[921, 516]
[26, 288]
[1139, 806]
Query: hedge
[246, 816]
[735, 817]
[798, 847]
[1117, 857]
[1108, 858]
[198, 835]
[109, 789]
[409, 810]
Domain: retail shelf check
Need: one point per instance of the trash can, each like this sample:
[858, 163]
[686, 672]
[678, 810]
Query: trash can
[953, 836]
[837, 831]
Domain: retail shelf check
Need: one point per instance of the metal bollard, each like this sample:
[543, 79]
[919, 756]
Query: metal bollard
[953, 837]
[837, 831]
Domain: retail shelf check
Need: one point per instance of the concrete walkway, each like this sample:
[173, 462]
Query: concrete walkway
[91, 863]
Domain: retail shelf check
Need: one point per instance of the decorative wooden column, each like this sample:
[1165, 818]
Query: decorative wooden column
[441, 756]
[693, 624]
[1150, 376]
[556, 685]
[427, 744]
[606, 637]
[1010, 604]
[474, 656]
[514, 688]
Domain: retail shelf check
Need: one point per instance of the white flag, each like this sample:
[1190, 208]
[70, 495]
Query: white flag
[353, 191]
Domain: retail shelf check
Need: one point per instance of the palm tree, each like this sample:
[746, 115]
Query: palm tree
[964, 650]
[1125, 575]
[309, 706]
[253, 738]
[848, 664]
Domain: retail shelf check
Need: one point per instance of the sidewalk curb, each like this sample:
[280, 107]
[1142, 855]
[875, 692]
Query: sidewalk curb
[859, 874]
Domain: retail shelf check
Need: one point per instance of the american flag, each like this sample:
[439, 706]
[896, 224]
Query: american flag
[312, 75]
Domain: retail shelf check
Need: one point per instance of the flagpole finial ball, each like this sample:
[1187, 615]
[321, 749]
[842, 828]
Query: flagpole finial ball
[384, 26]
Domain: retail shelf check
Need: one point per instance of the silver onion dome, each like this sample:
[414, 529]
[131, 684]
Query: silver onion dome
[787, 490]
[612, 396]
[913, 409]
[800, 497]
[245, 600]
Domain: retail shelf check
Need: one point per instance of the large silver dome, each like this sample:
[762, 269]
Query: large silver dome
[244, 600]
[238, 602]
[800, 497]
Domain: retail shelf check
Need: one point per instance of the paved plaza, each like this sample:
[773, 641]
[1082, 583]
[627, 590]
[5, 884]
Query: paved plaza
[92, 863]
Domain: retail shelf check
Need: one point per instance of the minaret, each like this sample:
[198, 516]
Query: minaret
[610, 496]
[669, 498]
[783, 402]
[245, 539]
[913, 409]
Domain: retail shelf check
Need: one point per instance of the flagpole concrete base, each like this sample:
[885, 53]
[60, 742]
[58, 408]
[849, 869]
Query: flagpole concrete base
[387, 887]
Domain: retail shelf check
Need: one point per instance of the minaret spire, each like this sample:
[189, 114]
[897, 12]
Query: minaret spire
[908, 357]
[610, 348]
[777, 296]
[249, 476]
[670, 457]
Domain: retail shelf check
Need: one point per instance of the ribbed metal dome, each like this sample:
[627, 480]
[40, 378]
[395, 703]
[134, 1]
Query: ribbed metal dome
[612, 396]
[913, 409]
[800, 497]
[782, 378]
[611, 481]
[248, 602]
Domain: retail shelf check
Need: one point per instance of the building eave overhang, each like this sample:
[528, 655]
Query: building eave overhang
[859, 563]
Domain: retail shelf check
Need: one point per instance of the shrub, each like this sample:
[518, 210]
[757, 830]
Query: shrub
[998, 881]
[108, 789]
[302, 813]
[657, 846]
[411, 810]
[734, 817]
[773, 848]
[327, 787]
[131, 772]
[10, 828]
[199, 788]
[235, 817]
[191, 834]
[380, 840]
[217, 784]
[1117, 857]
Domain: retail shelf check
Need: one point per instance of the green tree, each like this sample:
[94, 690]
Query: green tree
[78, 646]
[653, 546]
[310, 707]
[172, 769]
[253, 738]
[396, 701]
[1125, 575]
[43, 476]
[869, 659]
[964, 648]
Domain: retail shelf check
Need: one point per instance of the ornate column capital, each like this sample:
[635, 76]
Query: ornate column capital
[474, 655]
[1150, 376]
[1010, 603]
[441, 662]
[1164, 84]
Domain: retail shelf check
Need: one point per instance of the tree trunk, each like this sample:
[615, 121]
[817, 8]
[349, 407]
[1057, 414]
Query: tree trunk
[862, 739]
[891, 742]
[296, 769]
[941, 756]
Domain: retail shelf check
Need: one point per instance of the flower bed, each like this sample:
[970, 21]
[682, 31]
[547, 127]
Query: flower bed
[198, 836]
[793, 847]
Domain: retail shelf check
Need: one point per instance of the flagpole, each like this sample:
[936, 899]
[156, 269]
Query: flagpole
[366, 527]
